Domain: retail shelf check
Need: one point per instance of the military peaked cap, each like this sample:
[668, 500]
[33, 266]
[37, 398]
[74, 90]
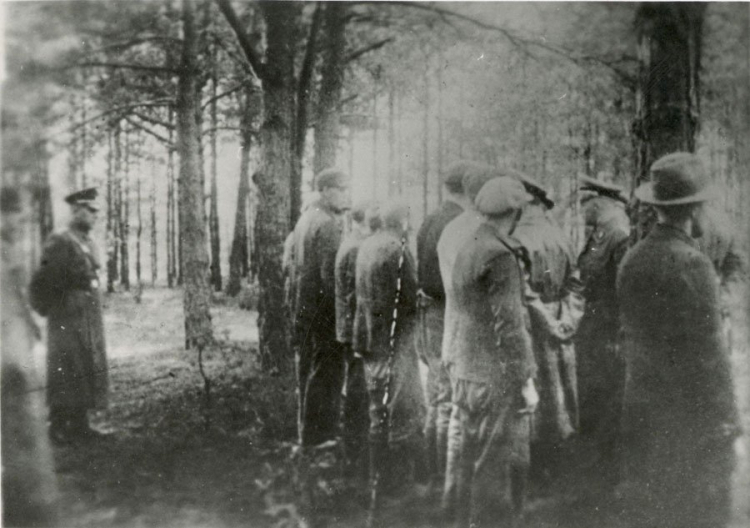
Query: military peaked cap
[501, 195]
[535, 189]
[453, 179]
[676, 179]
[602, 188]
[85, 197]
[475, 176]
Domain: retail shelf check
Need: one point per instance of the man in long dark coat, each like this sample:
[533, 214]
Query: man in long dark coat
[555, 303]
[431, 307]
[65, 289]
[385, 270]
[680, 417]
[312, 285]
[601, 368]
[355, 407]
[493, 362]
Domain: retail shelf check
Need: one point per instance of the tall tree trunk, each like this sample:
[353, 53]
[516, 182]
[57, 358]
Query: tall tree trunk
[392, 183]
[171, 210]
[198, 332]
[238, 256]
[375, 145]
[84, 145]
[668, 90]
[154, 245]
[125, 218]
[425, 140]
[301, 122]
[440, 126]
[112, 210]
[138, 234]
[214, 213]
[272, 222]
[331, 83]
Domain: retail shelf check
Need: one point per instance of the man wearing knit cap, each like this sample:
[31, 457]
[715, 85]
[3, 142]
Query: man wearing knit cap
[601, 369]
[354, 412]
[385, 272]
[680, 416]
[458, 230]
[312, 294]
[493, 362]
[431, 310]
[555, 304]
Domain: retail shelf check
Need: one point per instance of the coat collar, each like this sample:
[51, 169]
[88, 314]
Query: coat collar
[664, 231]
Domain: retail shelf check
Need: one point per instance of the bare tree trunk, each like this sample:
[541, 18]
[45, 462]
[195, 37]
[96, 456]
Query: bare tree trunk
[214, 213]
[238, 257]
[425, 140]
[171, 211]
[138, 233]
[112, 245]
[440, 127]
[667, 98]
[198, 332]
[375, 145]
[392, 183]
[331, 83]
[154, 245]
[84, 146]
[125, 218]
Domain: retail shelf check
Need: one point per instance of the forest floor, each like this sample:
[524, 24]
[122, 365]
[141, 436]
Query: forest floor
[175, 459]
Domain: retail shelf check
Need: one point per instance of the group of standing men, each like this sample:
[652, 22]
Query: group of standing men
[521, 352]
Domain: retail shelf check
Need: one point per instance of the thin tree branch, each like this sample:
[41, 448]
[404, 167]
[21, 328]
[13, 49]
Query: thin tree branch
[149, 131]
[153, 120]
[218, 128]
[224, 94]
[247, 47]
[132, 42]
[367, 49]
[157, 103]
[142, 67]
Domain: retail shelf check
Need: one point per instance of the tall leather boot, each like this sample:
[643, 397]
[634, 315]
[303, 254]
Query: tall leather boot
[519, 476]
[378, 479]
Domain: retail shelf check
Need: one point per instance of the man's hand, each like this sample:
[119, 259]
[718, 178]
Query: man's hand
[530, 397]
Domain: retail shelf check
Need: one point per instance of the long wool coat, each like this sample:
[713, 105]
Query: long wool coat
[679, 412]
[66, 289]
[552, 277]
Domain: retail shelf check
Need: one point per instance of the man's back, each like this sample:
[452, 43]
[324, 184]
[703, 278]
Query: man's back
[428, 271]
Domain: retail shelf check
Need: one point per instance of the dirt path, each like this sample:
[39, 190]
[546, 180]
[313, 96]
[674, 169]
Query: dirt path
[172, 463]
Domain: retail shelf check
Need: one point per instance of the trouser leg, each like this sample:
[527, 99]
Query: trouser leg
[322, 401]
[303, 360]
[355, 417]
[453, 456]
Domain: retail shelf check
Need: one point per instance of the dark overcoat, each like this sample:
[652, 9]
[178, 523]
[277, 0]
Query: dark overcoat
[556, 296]
[679, 413]
[65, 289]
[346, 295]
[312, 294]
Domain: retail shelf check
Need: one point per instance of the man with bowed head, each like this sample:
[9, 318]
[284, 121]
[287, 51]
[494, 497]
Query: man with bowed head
[680, 416]
[383, 337]
[493, 362]
[320, 358]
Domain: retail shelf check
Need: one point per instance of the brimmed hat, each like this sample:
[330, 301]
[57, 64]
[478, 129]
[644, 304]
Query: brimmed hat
[602, 188]
[501, 195]
[535, 189]
[676, 179]
[475, 176]
[85, 197]
[453, 178]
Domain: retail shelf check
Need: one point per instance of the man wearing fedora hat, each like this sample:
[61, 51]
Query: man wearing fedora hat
[680, 417]
[65, 289]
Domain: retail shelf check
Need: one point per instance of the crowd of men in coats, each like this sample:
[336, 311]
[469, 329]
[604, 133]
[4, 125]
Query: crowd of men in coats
[527, 346]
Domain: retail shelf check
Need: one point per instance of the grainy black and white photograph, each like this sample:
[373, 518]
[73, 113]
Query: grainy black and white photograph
[395, 264]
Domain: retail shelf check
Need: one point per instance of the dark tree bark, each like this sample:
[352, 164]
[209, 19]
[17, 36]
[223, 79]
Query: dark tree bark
[111, 211]
[425, 140]
[668, 90]
[171, 211]
[272, 180]
[440, 147]
[198, 332]
[138, 234]
[124, 199]
[213, 218]
[392, 183]
[154, 232]
[331, 84]
[239, 254]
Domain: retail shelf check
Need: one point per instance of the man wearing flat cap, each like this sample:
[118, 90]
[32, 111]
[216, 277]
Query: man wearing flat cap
[312, 299]
[431, 311]
[65, 289]
[555, 304]
[680, 417]
[452, 238]
[601, 369]
[493, 363]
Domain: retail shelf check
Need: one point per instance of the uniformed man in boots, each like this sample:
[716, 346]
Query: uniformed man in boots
[65, 289]
[431, 312]
[601, 368]
[383, 336]
[555, 303]
[493, 363]
[680, 417]
[355, 418]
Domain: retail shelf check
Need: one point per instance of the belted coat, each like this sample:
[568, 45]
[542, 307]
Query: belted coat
[65, 289]
[346, 295]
